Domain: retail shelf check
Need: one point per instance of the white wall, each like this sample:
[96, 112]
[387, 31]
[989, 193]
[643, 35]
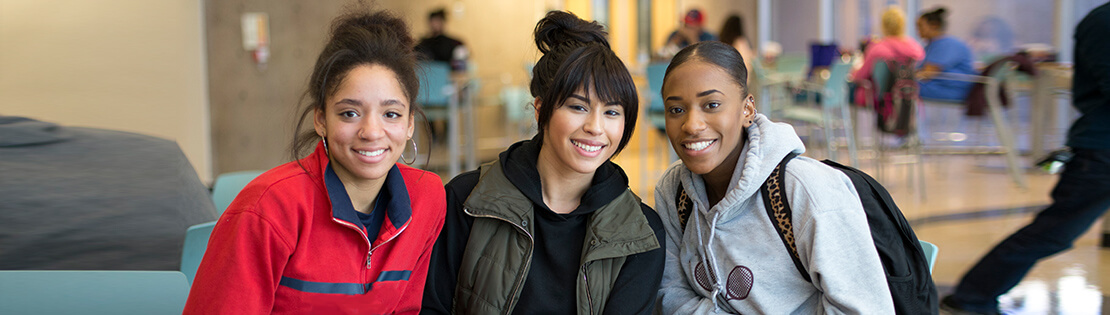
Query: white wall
[132, 65]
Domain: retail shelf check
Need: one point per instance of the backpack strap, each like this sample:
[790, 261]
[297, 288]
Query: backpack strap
[683, 205]
[778, 210]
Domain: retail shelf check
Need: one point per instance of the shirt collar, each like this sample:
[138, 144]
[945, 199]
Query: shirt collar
[398, 208]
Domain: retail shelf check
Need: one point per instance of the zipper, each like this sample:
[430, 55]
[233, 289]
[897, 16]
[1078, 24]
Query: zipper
[528, 261]
[586, 282]
[364, 237]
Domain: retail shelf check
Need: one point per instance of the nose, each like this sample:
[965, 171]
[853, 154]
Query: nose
[693, 123]
[371, 129]
[593, 125]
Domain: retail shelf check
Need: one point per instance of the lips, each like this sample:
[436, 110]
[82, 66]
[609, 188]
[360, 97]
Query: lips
[698, 145]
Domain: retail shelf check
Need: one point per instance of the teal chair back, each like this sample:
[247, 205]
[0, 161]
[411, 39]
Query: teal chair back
[92, 292]
[881, 78]
[434, 76]
[836, 87]
[196, 243]
[228, 185]
[930, 251]
[655, 73]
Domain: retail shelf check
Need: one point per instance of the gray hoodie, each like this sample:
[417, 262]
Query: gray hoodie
[730, 259]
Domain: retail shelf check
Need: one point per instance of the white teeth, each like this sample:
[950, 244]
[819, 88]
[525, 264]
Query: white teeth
[372, 153]
[588, 148]
[698, 146]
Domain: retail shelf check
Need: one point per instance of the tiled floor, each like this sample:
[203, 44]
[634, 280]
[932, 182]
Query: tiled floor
[969, 205]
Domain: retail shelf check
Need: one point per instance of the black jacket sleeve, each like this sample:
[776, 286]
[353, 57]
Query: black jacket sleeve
[637, 285]
[443, 270]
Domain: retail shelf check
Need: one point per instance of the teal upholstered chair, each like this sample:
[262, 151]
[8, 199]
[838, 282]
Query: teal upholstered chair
[92, 292]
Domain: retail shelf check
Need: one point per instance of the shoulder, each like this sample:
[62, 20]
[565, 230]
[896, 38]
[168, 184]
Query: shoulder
[810, 184]
[653, 219]
[421, 182]
[286, 184]
[672, 178]
[462, 185]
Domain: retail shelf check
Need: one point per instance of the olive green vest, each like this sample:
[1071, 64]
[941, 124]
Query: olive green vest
[499, 252]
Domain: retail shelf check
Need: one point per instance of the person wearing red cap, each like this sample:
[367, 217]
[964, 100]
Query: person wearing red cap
[691, 32]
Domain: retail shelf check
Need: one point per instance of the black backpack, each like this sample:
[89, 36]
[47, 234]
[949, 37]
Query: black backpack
[898, 95]
[907, 270]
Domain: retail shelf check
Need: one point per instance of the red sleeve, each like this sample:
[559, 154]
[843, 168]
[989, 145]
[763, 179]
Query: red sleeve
[241, 267]
[434, 199]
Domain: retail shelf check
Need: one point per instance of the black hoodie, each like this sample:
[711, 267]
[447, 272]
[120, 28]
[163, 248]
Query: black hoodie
[552, 277]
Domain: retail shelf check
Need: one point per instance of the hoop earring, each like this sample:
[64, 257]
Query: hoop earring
[414, 152]
[325, 140]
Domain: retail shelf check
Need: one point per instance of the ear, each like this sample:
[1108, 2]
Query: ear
[536, 106]
[749, 111]
[319, 122]
[412, 125]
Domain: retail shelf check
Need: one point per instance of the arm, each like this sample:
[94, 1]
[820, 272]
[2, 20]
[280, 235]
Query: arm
[836, 247]
[675, 295]
[638, 282]
[447, 252]
[413, 294]
[241, 268]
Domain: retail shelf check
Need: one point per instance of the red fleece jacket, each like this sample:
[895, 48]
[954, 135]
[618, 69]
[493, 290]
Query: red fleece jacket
[282, 248]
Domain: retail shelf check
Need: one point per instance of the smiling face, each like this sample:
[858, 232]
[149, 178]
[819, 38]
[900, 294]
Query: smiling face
[367, 123]
[582, 133]
[706, 114]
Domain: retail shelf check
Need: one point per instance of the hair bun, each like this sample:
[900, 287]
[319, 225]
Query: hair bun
[382, 27]
[560, 28]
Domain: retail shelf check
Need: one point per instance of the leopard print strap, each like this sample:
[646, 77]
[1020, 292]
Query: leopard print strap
[684, 206]
[779, 211]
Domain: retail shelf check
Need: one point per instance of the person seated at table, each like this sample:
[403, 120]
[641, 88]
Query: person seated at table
[691, 32]
[943, 53]
[894, 45]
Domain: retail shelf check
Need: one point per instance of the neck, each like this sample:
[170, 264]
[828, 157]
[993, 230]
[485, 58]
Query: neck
[562, 187]
[717, 180]
[361, 191]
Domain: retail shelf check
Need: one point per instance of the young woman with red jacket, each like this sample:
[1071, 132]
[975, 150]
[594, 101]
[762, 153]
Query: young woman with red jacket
[345, 229]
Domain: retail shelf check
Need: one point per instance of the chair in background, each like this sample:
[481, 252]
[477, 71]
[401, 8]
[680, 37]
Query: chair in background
[993, 82]
[893, 80]
[228, 185]
[833, 101]
[930, 251]
[439, 99]
[225, 189]
[192, 252]
[92, 292]
[656, 111]
[770, 82]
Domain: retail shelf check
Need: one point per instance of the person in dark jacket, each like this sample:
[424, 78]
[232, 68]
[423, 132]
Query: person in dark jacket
[347, 229]
[1080, 197]
[551, 226]
[440, 47]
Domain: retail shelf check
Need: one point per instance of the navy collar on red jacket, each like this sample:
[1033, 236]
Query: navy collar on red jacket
[398, 208]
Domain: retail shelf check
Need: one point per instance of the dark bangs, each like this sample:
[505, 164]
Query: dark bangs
[594, 68]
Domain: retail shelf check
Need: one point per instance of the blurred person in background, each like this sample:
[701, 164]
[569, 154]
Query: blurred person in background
[732, 33]
[347, 229]
[93, 199]
[943, 53]
[1081, 196]
[894, 45]
[691, 32]
[440, 47]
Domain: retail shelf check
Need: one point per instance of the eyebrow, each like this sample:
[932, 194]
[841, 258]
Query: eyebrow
[580, 97]
[355, 102]
[700, 94]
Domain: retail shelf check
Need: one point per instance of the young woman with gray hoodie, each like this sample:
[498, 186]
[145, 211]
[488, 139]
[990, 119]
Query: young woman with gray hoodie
[724, 255]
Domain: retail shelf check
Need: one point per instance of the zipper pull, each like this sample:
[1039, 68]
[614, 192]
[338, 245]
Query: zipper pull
[368, 255]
